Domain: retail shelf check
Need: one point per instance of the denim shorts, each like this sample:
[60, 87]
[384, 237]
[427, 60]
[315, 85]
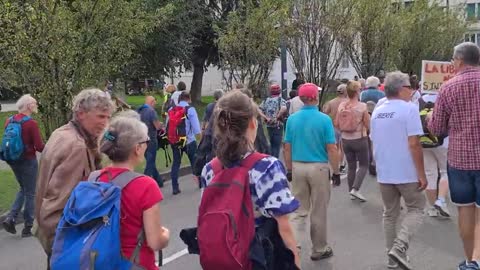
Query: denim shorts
[464, 186]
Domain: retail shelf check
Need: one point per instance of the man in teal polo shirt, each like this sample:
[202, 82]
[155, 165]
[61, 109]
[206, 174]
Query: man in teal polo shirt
[309, 147]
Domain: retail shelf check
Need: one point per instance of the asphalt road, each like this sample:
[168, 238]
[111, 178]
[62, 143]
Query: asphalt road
[355, 233]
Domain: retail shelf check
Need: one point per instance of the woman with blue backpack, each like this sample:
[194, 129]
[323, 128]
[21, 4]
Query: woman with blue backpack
[113, 221]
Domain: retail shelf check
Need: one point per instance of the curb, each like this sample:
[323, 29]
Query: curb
[186, 170]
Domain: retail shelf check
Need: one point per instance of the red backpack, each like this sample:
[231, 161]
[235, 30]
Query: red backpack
[177, 126]
[226, 222]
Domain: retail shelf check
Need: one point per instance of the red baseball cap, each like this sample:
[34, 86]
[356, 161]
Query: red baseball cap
[308, 90]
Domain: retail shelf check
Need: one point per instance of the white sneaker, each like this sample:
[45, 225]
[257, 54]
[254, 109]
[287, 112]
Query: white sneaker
[432, 212]
[358, 195]
[352, 197]
[442, 209]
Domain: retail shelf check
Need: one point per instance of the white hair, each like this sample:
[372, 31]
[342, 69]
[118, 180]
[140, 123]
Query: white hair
[90, 99]
[394, 82]
[468, 52]
[372, 82]
[23, 102]
[129, 114]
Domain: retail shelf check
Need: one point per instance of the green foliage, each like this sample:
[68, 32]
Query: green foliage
[429, 32]
[382, 35]
[249, 43]
[53, 49]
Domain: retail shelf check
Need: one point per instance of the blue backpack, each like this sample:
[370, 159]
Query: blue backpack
[88, 234]
[12, 143]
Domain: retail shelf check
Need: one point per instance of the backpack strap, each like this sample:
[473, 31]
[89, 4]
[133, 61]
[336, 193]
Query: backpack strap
[251, 159]
[216, 165]
[123, 179]
[140, 240]
[94, 176]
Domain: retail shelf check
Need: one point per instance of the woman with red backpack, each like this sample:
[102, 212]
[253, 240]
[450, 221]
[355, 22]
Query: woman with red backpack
[246, 194]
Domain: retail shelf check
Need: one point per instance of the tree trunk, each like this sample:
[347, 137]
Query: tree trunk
[197, 81]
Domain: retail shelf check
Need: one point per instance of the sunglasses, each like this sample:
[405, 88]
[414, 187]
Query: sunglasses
[146, 142]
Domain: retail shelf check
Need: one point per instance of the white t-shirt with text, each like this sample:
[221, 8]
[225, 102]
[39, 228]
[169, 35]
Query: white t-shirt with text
[391, 125]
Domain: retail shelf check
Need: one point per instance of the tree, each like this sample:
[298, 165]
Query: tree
[429, 32]
[372, 38]
[205, 50]
[312, 37]
[249, 44]
[168, 47]
[53, 49]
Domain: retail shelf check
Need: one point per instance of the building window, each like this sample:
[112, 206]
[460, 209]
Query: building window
[473, 37]
[408, 4]
[345, 62]
[471, 11]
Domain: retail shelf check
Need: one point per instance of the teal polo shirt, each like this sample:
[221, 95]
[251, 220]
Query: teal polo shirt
[309, 131]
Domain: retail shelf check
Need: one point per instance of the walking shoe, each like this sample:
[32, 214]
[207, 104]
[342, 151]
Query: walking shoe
[343, 170]
[175, 192]
[322, 255]
[473, 266]
[358, 195]
[432, 212]
[398, 253]
[352, 197]
[27, 232]
[462, 266]
[391, 264]
[9, 226]
[442, 208]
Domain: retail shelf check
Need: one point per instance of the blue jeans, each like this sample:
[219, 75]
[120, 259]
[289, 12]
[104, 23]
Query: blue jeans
[26, 173]
[190, 149]
[151, 157]
[275, 134]
[464, 186]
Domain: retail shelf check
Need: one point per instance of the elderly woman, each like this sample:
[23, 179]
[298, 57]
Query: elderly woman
[372, 93]
[24, 166]
[69, 157]
[124, 144]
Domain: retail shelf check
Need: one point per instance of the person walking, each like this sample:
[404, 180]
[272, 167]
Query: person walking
[186, 122]
[331, 108]
[271, 107]
[353, 121]
[149, 116]
[70, 155]
[372, 93]
[457, 113]
[235, 131]
[435, 159]
[125, 143]
[309, 147]
[395, 132]
[24, 167]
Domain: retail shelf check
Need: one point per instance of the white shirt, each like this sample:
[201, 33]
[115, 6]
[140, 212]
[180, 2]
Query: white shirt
[295, 105]
[391, 125]
[416, 96]
[175, 97]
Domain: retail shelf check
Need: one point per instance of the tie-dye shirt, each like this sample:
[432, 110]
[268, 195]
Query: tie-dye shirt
[269, 189]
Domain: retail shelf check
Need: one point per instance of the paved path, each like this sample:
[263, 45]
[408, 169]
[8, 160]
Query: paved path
[355, 233]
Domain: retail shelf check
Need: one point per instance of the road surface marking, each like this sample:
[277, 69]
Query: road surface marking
[175, 256]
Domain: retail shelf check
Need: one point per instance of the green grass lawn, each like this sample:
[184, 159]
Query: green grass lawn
[8, 189]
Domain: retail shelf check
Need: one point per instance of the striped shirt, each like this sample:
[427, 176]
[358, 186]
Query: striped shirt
[457, 113]
[269, 189]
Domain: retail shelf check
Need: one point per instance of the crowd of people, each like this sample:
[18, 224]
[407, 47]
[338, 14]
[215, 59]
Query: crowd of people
[409, 141]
